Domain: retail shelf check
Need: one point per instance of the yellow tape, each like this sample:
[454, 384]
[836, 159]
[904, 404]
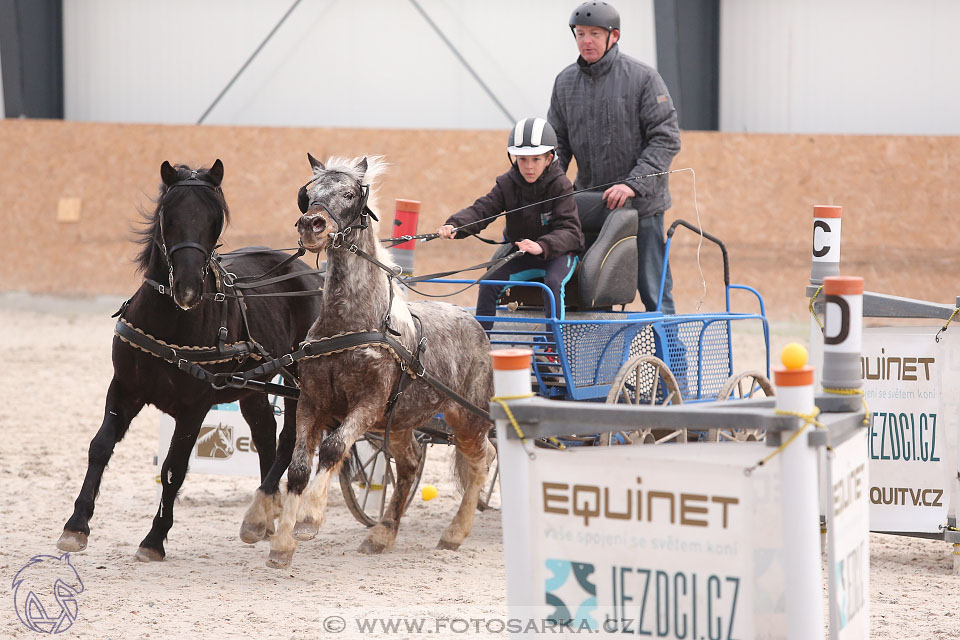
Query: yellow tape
[949, 320]
[808, 419]
[502, 401]
[854, 392]
[810, 307]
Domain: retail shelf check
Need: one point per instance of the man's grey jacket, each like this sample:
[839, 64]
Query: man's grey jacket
[616, 118]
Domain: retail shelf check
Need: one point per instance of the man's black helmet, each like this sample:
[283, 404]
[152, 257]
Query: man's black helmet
[531, 137]
[595, 14]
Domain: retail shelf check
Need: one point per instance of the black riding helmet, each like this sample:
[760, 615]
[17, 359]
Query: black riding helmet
[531, 137]
[595, 14]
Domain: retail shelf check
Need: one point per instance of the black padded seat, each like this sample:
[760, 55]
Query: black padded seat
[607, 273]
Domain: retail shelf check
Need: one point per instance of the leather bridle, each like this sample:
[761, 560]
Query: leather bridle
[208, 256]
[361, 212]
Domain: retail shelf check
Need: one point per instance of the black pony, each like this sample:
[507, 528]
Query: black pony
[190, 304]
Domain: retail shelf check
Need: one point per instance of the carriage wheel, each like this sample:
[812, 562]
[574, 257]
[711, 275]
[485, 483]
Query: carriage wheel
[644, 380]
[490, 492]
[742, 386]
[368, 477]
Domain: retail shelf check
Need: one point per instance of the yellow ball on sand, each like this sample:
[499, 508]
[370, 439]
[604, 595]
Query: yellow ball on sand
[794, 355]
[429, 492]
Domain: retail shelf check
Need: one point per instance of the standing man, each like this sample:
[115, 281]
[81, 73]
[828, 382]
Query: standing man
[614, 115]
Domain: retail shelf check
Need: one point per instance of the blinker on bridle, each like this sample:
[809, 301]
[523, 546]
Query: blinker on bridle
[303, 200]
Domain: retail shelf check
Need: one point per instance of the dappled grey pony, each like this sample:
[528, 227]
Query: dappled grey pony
[351, 388]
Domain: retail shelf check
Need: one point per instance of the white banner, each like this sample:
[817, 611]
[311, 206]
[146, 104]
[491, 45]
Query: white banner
[655, 540]
[911, 386]
[848, 549]
[224, 445]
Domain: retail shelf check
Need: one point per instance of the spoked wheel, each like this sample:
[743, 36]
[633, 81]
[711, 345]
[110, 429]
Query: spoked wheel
[368, 477]
[490, 492]
[644, 380]
[742, 386]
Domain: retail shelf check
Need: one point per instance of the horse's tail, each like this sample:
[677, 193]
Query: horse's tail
[460, 469]
[350, 464]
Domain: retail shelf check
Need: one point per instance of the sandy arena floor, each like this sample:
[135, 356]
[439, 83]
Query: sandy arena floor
[55, 374]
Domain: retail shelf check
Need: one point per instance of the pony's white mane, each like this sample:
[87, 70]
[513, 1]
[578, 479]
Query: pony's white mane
[376, 166]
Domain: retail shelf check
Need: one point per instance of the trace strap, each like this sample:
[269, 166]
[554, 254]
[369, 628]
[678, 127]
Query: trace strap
[187, 360]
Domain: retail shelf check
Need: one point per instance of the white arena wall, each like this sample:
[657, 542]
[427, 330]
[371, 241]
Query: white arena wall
[849, 66]
[791, 66]
[333, 63]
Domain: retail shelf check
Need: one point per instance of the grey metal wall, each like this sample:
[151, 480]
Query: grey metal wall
[31, 66]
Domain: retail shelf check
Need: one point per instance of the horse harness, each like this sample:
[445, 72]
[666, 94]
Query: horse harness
[224, 351]
[190, 359]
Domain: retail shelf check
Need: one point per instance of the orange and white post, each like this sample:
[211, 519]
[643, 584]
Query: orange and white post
[801, 511]
[843, 332]
[511, 380]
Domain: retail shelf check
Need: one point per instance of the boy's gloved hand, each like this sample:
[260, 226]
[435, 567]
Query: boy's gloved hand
[447, 231]
[531, 247]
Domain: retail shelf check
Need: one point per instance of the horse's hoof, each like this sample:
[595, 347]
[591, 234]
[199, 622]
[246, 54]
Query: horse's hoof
[252, 533]
[148, 555]
[448, 546]
[306, 530]
[72, 541]
[271, 529]
[280, 559]
[372, 548]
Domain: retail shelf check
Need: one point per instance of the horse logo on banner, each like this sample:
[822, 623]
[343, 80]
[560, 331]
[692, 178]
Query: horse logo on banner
[215, 442]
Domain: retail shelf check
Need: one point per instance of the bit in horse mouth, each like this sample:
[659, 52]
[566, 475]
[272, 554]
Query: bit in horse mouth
[314, 247]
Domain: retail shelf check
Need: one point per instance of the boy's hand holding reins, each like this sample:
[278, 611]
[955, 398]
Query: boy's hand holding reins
[447, 232]
[529, 246]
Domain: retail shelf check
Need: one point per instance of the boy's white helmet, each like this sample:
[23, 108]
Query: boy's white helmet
[531, 137]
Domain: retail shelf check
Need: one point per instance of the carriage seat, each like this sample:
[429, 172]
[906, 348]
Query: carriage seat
[607, 273]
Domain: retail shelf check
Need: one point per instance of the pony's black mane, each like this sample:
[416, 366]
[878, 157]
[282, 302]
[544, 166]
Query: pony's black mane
[170, 198]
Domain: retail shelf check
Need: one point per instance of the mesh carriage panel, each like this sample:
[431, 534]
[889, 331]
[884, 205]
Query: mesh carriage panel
[698, 354]
[645, 385]
[595, 352]
[643, 343]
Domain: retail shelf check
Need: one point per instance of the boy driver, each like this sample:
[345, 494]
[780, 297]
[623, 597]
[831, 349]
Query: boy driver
[548, 232]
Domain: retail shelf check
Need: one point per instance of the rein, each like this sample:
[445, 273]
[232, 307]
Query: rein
[426, 237]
